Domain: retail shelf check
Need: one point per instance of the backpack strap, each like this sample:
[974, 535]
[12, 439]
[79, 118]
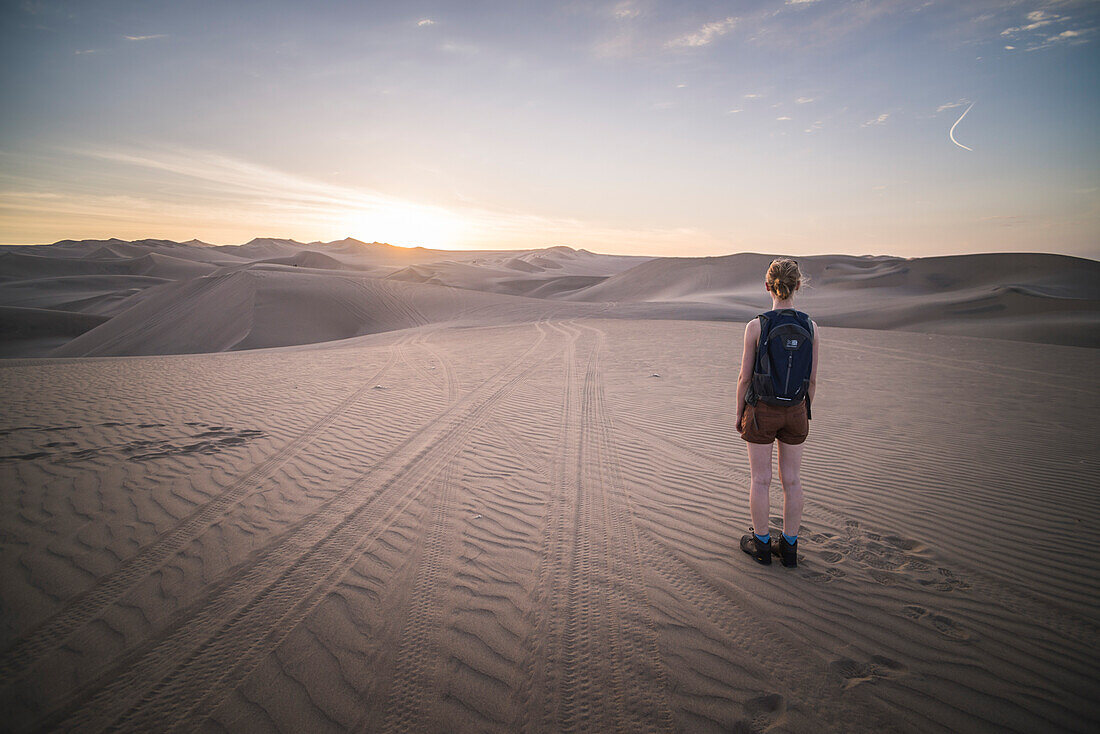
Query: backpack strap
[810, 323]
[761, 342]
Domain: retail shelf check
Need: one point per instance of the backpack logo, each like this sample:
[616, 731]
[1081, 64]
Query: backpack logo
[792, 344]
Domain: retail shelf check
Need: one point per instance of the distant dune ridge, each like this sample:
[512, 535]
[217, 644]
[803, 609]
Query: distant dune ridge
[113, 297]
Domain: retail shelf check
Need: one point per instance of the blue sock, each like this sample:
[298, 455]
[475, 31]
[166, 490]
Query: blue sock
[764, 538]
[791, 539]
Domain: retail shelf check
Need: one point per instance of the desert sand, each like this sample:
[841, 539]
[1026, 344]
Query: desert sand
[346, 487]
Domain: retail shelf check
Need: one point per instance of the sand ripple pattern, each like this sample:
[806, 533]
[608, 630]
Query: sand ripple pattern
[533, 528]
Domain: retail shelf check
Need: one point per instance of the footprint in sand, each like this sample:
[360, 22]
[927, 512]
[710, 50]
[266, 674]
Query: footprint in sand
[763, 713]
[831, 556]
[943, 624]
[886, 578]
[877, 668]
[945, 581]
[824, 577]
[890, 560]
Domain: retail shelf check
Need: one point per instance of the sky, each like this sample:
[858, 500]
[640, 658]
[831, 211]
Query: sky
[628, 127]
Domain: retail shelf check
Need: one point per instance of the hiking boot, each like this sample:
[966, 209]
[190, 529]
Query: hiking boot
[762, 552]
[788, 554]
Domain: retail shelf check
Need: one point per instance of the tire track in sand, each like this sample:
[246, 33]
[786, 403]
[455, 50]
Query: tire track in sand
[411, 691]
[178, 680]
[532, 700]
[55, 630]
[593, 663]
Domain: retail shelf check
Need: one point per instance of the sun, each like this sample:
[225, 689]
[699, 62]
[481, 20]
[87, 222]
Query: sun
[407, 225]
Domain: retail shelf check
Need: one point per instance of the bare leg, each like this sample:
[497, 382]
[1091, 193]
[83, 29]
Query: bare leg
[790, 474]
[760, 466]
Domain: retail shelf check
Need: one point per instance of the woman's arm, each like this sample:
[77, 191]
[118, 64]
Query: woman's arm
[813, 369]
[748, 361]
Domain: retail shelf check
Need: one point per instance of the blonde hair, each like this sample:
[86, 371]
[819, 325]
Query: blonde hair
[783, 277]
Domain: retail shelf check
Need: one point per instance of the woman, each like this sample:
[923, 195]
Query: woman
[773, 406]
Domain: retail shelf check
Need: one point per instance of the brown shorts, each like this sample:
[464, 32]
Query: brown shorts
[763, 423]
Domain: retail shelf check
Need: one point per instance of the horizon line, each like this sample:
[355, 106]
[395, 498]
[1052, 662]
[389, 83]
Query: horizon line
[546, 247]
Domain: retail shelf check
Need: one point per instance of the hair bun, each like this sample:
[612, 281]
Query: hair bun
[783, 277]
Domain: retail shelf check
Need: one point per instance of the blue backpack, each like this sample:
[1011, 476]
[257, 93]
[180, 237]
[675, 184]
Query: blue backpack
[784, 359]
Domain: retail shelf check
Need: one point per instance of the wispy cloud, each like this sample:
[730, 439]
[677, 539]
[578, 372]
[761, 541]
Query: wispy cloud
[951, 105]
[230, 195]
[1035, 32]
[1037, 18]
[705, 35]
[805, 100]
[146, 38]
[881, 119]
[782, 118]
[86, 51]
[625, 10]
[425, 21]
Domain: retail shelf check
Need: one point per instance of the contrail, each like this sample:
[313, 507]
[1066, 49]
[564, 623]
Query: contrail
[951, 134]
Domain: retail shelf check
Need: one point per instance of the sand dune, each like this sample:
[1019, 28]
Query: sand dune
[324, 291]
[98, 294]
[540, 274]
[268, 305]
[38, 331]
[1030, 297]
[519, 527]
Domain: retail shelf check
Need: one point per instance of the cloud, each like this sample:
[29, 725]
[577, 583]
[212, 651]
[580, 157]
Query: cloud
[801, 2]
[784, 117]
[752, 95]
[86, 51]
[625, 10]
[228, 194]
[804, 100]
[425, 21]
[1037, 34]
[146, 38]
[1038, 18]
[704, 35]
[881, 119]
[951, 105]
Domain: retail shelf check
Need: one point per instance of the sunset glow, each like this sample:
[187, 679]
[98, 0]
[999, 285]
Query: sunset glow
[695, 128]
